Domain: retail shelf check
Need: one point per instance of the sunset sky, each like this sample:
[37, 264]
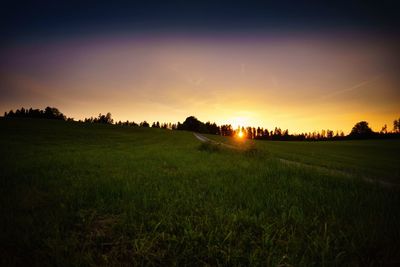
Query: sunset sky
[295, 66]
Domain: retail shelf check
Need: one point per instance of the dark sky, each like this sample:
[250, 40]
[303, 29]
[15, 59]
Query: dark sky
[27, 19]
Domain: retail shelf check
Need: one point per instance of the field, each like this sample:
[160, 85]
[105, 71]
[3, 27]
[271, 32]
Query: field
[75, 194]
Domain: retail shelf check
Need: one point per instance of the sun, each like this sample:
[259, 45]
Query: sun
[240, 134]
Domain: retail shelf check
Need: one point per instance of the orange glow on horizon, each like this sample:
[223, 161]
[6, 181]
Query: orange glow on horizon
[300, 83]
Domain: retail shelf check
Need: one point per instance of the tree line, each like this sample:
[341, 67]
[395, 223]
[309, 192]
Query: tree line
[47, 113]
[361, 130]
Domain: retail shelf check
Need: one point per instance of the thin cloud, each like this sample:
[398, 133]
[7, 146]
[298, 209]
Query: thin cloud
[352, 88]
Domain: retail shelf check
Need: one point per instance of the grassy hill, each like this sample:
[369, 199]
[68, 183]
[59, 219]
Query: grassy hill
[76, 194]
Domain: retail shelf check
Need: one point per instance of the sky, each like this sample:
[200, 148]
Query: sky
[299, 66]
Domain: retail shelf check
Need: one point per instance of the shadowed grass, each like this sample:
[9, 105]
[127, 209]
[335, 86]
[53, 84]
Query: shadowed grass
[79, 194]
[210, 147]
[375, 159]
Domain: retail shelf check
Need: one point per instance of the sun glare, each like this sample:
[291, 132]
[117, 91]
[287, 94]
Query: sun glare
[240, 134]
[239, 121]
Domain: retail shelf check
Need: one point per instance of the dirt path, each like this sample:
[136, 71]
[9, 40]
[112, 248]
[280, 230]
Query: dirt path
[204, 139]
[338, 172]
[382, 183]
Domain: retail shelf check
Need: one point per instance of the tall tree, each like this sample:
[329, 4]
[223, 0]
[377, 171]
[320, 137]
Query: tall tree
[396, 126]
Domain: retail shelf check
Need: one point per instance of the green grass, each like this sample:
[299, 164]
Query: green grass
[87, 195]
[375, 159]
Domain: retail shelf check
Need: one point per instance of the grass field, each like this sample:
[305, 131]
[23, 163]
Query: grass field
[374, 159]
[76, 194]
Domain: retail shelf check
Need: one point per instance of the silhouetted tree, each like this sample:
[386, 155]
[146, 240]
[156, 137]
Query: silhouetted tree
[89, 120]
[226, 130]
[48, 113]
[53, 113]
[329, 134]
[191, 124]
[384, 129]
[266, 133]
[104, 118]
[396, 126]
[126, 123]
[155, 124]
[361, 130]
[144, 124]
[212, 128]
[248, 133]
[259, 132]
